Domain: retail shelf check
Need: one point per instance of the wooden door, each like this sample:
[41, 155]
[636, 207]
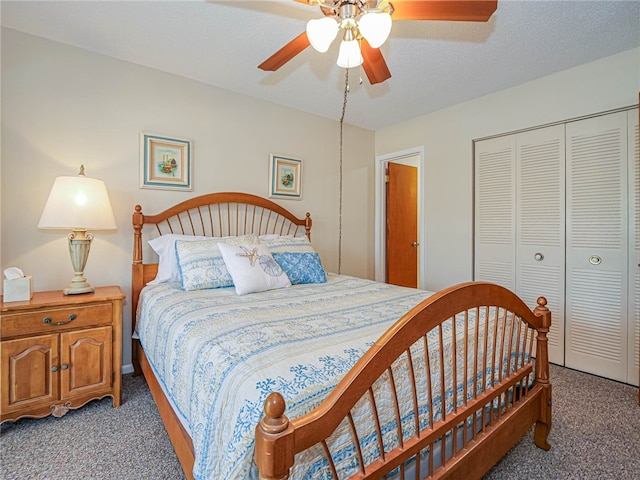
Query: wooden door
[85, 361]
[30, 372]
[402, 225]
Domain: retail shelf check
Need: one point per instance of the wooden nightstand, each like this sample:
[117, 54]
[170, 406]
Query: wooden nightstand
[58, 352]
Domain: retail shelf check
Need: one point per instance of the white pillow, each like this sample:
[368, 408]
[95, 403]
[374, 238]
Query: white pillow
[252, 268]
[164, 246]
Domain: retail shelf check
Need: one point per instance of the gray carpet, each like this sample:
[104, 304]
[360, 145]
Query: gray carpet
[595, 435]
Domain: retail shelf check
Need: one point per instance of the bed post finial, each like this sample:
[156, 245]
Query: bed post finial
[307, 225]
[543, 424]
[137, 280]
[542, 375]
[274, 433]
[137, 219]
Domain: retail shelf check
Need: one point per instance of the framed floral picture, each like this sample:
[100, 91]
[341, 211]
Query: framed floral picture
[285, 177]
[165, 162]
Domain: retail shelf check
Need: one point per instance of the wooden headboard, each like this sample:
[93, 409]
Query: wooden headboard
[215, 215]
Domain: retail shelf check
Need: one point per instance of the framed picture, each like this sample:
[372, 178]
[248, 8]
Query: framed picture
[165, 162]
[285, 177]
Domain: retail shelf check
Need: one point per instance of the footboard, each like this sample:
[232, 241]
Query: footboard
[446, 391]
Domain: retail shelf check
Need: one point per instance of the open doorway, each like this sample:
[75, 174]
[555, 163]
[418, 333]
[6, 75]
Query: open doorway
[392, 266]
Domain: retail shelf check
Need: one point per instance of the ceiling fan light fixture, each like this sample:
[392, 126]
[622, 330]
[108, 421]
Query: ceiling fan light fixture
[349, 55]
[321, 33]
[375, 27]
[353, 16]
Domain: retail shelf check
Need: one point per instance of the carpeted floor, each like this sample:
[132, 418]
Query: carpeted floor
[595, 435]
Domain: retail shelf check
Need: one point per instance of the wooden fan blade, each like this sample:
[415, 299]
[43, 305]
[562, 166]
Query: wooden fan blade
[374, 65]
[286, 53]
[455, 10]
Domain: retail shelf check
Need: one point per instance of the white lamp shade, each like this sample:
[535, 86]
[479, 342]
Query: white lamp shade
[375, 27]
[321, 32]
[78, 202]
[349, 55]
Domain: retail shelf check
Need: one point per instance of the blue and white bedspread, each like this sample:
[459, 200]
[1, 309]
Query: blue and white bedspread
[218, 355]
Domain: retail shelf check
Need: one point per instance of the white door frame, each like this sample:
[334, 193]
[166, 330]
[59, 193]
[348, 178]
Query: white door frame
[381, 207]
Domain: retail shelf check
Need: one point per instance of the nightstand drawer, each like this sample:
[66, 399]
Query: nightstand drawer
[55, 319]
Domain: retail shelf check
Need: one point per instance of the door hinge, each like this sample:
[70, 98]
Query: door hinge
[386, 179]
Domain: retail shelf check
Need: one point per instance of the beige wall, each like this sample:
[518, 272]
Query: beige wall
[62, 106]
[447, 138]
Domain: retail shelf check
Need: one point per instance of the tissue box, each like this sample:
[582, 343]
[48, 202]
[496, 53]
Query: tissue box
[18, 289]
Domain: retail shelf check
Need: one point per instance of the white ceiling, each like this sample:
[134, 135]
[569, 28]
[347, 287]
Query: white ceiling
[433, 64]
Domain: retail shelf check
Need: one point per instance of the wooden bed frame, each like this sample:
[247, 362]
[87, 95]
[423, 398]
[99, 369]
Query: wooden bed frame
[278, 439]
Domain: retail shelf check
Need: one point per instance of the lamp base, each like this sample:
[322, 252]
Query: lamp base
[76, 291]
[79, 245]
[76, 288]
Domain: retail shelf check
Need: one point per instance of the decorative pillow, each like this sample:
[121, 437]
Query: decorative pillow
[164, 246]
[287, 244]
[252, 268]
[201, 265]
[271, 236]
[301, 267]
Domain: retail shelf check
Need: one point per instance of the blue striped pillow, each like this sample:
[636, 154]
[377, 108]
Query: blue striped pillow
[200, 262]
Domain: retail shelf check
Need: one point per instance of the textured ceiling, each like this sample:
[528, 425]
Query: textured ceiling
[433, 64]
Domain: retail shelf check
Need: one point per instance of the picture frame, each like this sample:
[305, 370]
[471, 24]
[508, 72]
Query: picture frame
[285, 177]
[166, 162]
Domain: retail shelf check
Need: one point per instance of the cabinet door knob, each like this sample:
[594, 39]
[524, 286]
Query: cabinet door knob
[54, 369]
[538, 257]
[595, 260]
[64, 367]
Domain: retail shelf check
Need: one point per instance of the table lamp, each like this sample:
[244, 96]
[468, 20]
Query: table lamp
[78, 203]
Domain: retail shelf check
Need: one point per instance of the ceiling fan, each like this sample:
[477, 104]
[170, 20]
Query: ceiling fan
[365, 26]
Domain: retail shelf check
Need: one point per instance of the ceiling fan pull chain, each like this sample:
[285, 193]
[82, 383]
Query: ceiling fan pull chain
[344, 108]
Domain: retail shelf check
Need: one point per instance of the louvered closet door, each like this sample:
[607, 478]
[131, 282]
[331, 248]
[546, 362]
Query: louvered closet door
[634, 248]
[494, 247]
[540, 206]
[597, 240]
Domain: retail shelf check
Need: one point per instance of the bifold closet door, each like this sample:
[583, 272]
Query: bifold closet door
[519, 220]
[495, 211]
[634, 247]
[597, 246]
[540, 226]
